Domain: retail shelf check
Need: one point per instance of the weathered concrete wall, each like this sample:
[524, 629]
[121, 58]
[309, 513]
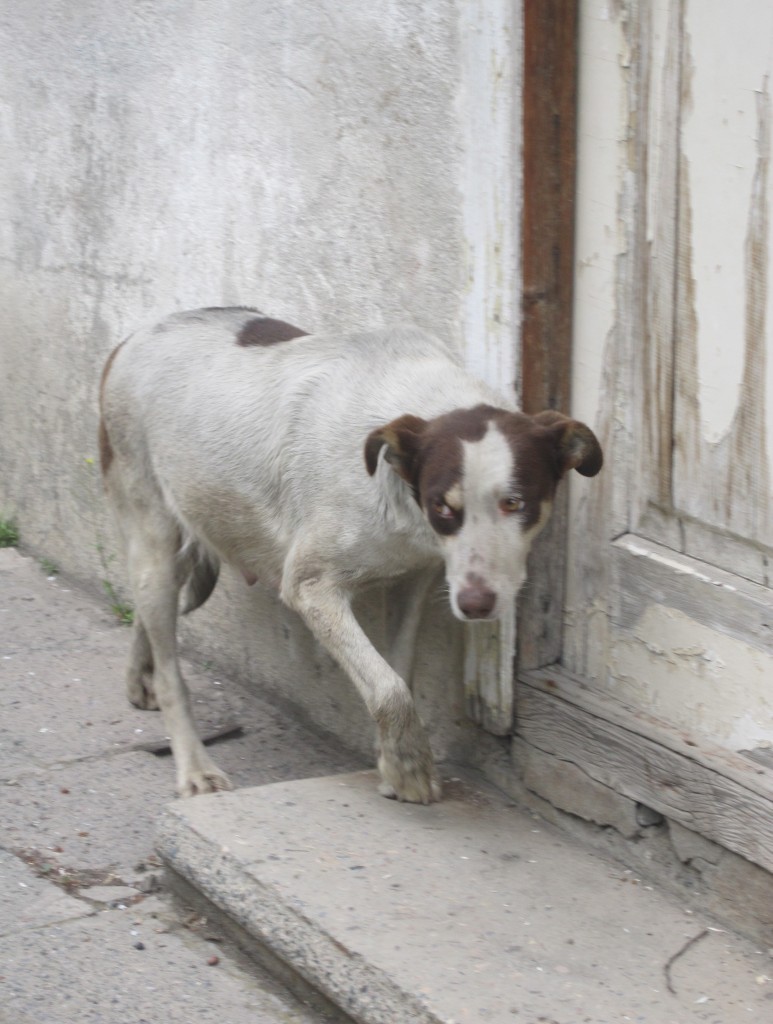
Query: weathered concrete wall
[308, 159]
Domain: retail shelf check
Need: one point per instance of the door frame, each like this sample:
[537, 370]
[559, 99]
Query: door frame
[549, 161]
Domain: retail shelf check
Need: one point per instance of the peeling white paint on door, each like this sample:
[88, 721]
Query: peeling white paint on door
[600, 165]
[489, 98]
[695, 678]
[727, 61]
[674, 356]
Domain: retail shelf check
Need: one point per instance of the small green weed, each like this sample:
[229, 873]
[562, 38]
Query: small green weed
[9, 534]
[49, 568]
[122, 610]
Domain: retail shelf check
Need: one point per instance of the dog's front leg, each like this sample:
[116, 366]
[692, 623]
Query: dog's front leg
[405, 760]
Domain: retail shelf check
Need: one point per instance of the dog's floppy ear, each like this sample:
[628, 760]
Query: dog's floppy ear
[576, 445]
[402, 438]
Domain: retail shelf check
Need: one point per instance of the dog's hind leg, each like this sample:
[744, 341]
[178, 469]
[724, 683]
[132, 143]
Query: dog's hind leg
[139, 674]
[157, 572]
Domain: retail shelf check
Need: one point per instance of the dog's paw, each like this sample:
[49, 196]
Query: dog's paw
[203, 780]
[141, 694]
[414, 791]
[406, 766]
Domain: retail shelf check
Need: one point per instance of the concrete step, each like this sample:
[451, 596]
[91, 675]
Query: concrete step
[464, 912]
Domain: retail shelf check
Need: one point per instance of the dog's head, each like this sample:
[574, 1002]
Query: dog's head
[484, 479]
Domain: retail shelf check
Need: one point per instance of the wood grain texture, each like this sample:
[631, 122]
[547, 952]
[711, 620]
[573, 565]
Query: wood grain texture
[547, 240]
[658, 88]
[547, 257]
[726, 482]
[645, 572]
[488, 673]
[716, 793]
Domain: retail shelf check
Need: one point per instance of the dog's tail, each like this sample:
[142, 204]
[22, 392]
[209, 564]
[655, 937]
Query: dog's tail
[205, 569]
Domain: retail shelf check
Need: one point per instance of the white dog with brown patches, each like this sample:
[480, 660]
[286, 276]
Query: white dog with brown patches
[319, 465]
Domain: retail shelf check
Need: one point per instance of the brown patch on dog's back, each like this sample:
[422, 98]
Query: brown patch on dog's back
[105, 448]
[263, 331]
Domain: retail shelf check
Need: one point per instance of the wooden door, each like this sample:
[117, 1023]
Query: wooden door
[662, 689]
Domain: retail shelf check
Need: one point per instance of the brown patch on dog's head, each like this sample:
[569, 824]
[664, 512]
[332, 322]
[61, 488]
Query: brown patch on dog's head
[402, 439]
[263, 331]
[484, 479]
[441, 467]
[544, 448]
[105, 448]
[428, 456]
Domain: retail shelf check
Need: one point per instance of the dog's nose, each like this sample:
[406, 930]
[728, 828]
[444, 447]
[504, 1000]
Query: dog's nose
[476, 601]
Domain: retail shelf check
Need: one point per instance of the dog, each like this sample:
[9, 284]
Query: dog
[319, 464]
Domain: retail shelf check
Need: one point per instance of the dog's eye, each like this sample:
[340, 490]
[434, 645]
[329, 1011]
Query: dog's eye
[511, 505]
[442, 510]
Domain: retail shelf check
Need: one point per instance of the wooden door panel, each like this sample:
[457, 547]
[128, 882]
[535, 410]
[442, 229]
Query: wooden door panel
[685, 473]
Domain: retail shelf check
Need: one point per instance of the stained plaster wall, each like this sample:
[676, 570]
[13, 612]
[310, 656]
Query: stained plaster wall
[325, 162]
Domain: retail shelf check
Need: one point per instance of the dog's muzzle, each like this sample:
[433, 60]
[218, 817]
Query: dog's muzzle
[476, 601]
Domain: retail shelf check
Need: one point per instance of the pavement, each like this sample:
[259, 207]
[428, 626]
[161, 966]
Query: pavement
[122, 905]
[88, 931]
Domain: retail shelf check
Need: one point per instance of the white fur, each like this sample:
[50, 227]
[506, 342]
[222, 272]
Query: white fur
[490, 545]
[254, 457]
